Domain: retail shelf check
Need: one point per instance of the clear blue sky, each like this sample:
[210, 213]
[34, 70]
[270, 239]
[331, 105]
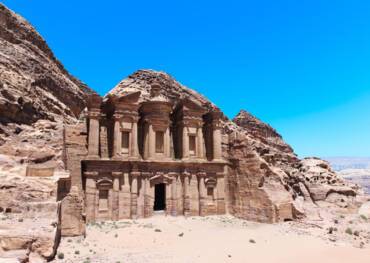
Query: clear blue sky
[302, 66]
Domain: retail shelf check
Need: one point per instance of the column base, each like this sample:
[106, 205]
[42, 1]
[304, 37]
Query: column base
[93, 157]
[134, 158]
[117, 158]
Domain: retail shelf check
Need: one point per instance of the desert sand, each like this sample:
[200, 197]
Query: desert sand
[207, 239]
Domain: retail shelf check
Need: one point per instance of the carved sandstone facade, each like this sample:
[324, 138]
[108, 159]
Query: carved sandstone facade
[147, 156]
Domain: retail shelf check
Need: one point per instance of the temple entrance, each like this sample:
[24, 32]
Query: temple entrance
[160, 197]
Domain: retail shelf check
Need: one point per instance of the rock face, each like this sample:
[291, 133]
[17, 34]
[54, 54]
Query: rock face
[33, 83]
[266, 181]
[261, 131]
[72, 210]
[37, 95]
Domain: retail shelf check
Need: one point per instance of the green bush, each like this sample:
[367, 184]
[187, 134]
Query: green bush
[349, 231]
[77, 252]
[60, 255]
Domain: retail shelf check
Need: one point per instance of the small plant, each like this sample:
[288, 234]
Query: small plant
[157, 230]
[349, 231]
[356, 233]
[61, 255]
[363, 217]
[77, 252]
[69, 240]
[336, 221]
[331, 230]
[252, 241]
[20, 220]
[116, 235]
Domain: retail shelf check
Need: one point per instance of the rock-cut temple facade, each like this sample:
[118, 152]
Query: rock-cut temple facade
[147, 156]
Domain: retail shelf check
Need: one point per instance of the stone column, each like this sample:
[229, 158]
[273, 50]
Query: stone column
[134, 141]
[91, 193]
[202, 195]
[110, 205]
[186, 198]
[185, 142]
[194, 196]
[174, 195]
[167, 143]
[134, 191]
[221, 209]
[140, 199]
[115, 201]
[217, 150]
[94, 127]
[168, 198]
[117, 138]
[125, 198]
[151, 142]
[200, 143]
[179, 196]
[149, 199]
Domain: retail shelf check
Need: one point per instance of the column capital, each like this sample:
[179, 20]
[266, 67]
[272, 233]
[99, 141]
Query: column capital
[91, 174]
[117, 116]
[117, 174]
[94, 114]
[135, 173]
[216, 124]
[201, 174]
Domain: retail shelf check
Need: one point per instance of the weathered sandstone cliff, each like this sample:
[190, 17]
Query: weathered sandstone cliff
[266, 182]
[36, 96]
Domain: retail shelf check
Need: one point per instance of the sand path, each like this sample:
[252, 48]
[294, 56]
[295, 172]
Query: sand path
[208, 239]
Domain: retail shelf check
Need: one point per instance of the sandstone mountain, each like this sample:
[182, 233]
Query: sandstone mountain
[267, 182]
[36, 96]
[33, 83]
[34, 86]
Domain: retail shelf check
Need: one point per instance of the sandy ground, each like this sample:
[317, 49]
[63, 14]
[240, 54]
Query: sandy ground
[204, 239]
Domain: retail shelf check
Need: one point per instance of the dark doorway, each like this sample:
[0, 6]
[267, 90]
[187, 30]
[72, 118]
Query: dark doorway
[160, 197]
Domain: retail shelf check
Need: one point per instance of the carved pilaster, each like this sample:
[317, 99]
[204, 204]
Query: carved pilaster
[217, 139]
[202, 194]
[117, 143]
[134, 193]
[94, 128]
[185, 142]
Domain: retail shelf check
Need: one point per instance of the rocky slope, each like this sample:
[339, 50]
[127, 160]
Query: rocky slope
[37, 95]
[35, 90]
[33, 83]
[267, 181]
[262, 132]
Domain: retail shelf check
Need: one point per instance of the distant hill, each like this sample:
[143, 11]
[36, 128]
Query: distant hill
[342, 163]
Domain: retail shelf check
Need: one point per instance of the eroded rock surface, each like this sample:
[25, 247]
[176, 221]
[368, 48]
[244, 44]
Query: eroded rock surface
[37, 95]
[34, 85]
[266, 182]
